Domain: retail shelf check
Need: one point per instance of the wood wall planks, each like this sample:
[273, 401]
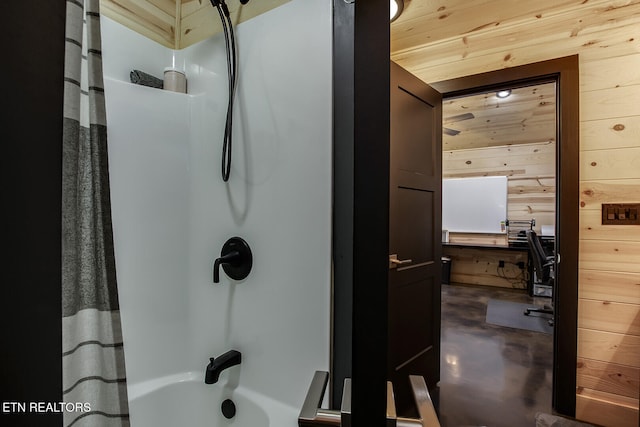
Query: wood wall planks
[608, 377]
[198, 24]
[606, 36]
[140, 22]
[620, 163]
[480, 266]
[606, 409]
[609, 316]
[611, 347]
[592, 229]
[610, 255]
[605, 134]
[609, 286]
[615, 72]
[610, 102]
[478, 239]
[594, 193]
[530, 169]
[177, 24]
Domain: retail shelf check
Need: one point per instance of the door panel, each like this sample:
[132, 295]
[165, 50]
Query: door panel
[407, 310]
[414, 118]
[414, 233]
[415, 223]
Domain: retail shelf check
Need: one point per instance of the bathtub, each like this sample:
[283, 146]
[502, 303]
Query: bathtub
[184, 400]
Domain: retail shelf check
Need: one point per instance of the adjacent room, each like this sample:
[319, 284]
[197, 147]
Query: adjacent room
[499, 187]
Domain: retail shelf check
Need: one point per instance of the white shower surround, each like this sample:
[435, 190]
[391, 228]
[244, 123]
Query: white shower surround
[185, 400]
[172, 212]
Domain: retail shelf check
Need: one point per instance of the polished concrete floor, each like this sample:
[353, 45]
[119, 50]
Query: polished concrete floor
[490, 375]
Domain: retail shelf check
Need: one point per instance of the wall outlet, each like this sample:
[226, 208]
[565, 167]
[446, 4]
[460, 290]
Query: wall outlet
[501, 264]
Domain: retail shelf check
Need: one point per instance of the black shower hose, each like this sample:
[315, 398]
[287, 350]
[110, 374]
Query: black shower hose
[230, 44]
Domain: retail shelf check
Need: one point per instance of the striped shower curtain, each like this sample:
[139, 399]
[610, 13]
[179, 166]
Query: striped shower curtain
[94, 379]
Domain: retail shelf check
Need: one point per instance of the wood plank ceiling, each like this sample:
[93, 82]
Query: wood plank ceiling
[177, 24]
[443, 39]
[427, 39]
[526, 116]
[431, 35]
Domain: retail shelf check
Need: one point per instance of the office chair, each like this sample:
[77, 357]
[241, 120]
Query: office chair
[542, 265]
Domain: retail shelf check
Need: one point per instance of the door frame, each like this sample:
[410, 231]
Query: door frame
[565, 73]
[360, 226]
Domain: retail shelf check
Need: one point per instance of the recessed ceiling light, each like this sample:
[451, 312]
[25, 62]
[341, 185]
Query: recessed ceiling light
[395, 9]
[503, 93]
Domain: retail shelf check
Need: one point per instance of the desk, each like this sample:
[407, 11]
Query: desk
[487, 246]
[479, 264]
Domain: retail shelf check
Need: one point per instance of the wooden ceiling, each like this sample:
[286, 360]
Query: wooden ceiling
[177, 24]
[435, 40]
[443, 39]
[526, 116]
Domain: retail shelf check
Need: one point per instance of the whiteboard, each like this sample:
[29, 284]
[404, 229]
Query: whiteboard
[474, 205]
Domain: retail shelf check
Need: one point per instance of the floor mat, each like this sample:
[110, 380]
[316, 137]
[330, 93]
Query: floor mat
[548, 420]
[511, 315]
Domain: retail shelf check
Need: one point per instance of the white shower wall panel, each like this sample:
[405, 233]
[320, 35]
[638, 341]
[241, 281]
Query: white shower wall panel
[148, 156]
[278, 198]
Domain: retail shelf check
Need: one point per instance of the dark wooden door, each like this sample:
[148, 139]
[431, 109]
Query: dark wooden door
[415, 223]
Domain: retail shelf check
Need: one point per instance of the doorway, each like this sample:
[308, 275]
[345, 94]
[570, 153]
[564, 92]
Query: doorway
[564, 72]
[499, 162]
[361, 153]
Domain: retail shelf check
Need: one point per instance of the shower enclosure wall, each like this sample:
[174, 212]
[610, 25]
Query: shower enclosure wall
[172, 213]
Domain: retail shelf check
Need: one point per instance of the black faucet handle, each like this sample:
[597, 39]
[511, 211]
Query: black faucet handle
[232, 258]
[235, 258]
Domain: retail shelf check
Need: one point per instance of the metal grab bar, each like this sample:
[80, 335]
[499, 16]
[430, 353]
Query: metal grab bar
[427, 412]
[312, 414]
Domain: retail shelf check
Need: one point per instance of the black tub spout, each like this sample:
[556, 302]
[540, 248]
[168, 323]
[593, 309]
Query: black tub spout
[219, 364]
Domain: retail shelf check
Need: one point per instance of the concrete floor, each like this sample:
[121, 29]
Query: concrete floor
[490, 375]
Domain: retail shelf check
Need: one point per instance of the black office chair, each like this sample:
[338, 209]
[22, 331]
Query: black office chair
[543, 267]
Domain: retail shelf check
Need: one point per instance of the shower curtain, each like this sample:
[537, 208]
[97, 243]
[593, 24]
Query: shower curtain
[94, 379]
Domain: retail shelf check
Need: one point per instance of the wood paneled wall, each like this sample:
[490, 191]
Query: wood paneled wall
[480, 266]
[606, 35]
[530, 171]
[609, 288]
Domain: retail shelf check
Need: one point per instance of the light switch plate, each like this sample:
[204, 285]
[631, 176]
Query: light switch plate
[620, 214]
